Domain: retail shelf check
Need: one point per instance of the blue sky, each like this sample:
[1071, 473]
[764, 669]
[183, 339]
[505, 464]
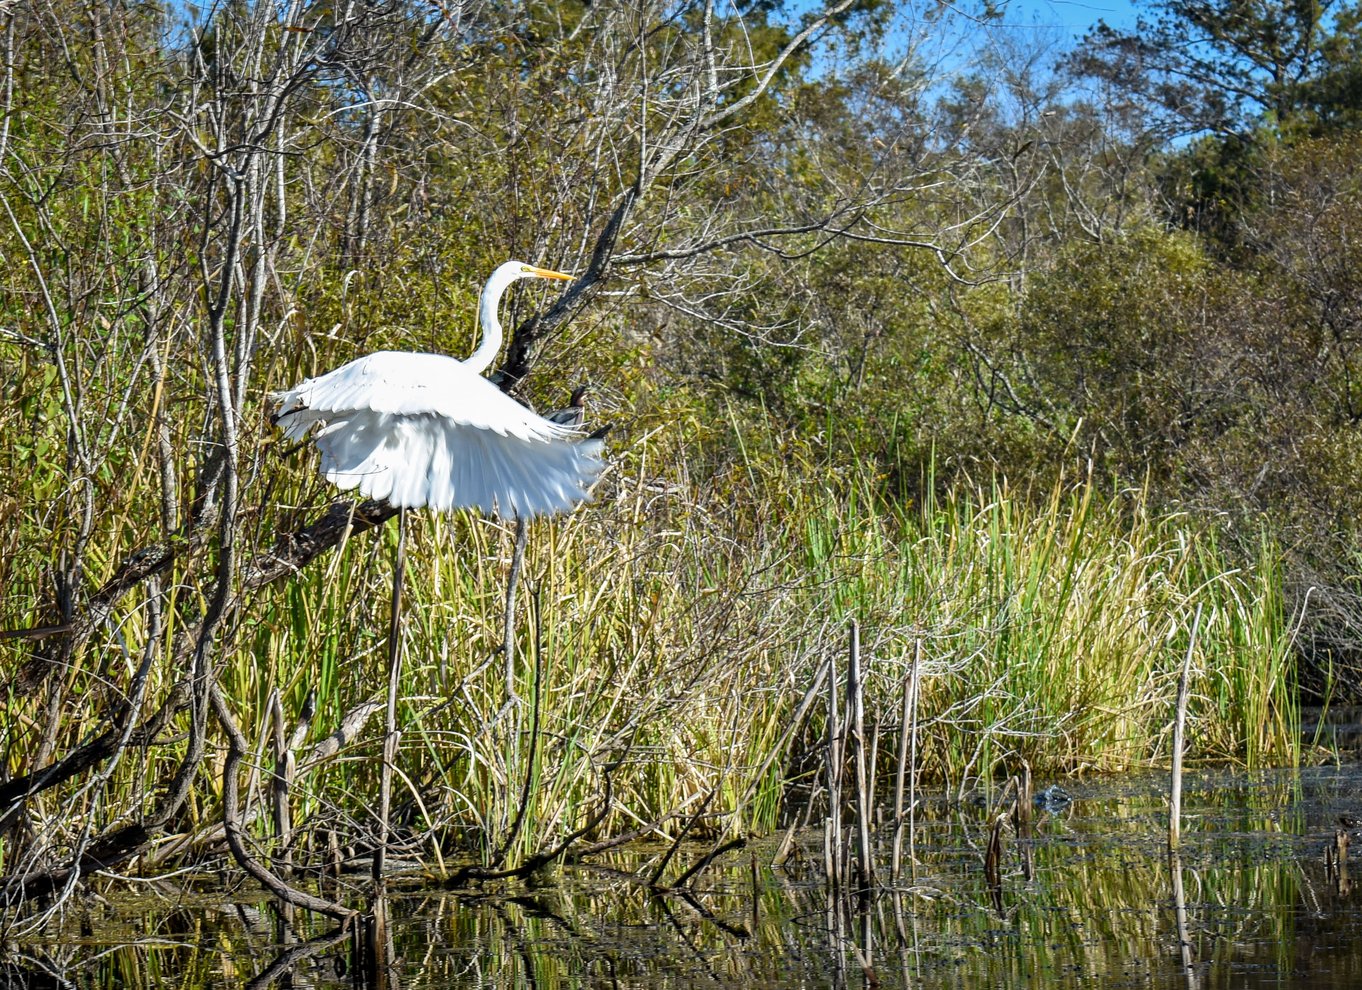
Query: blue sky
[1074, 17]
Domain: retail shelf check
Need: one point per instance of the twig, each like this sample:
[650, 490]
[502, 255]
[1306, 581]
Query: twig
[708, 858]
[1179, 725]
[680, 837]
[280, 783]
[993, 862]
[907, 737]
[508, 620]
[513, 832]
[832, 829]
[540, 859]
[231, 820]
[865, 867]
[805, 703]
[292, 956]
[390, 737]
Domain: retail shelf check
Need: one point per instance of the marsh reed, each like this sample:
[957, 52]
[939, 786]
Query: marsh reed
[675, 632]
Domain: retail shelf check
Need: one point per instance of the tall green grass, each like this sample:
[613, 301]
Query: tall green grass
[667, 632]
[676, 626]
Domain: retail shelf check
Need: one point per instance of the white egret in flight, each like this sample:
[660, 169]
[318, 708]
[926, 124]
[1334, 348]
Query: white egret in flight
[429, 430]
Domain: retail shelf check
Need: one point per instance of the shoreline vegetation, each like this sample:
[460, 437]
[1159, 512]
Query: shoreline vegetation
[670, 643]
[1017, 393]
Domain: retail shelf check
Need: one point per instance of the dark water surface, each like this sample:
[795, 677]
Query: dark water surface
[1087, 902]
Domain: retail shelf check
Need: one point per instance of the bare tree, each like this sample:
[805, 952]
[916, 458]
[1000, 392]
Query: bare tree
[156, 297]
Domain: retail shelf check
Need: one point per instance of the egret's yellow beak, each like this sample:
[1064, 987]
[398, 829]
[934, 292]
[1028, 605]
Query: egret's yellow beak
[546, 273]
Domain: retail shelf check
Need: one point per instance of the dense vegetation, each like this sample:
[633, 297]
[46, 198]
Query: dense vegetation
[1020, 354]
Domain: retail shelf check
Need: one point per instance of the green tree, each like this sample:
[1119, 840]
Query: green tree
[1227, 66]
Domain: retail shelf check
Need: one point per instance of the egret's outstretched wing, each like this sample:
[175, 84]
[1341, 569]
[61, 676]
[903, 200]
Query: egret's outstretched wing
[405, 383]
[423, 430]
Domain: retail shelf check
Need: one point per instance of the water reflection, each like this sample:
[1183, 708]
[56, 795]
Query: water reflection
[1086, 893]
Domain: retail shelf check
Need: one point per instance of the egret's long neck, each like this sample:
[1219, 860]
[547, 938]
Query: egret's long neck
[482, 358]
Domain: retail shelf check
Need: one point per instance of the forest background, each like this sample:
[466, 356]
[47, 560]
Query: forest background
[1020, 349]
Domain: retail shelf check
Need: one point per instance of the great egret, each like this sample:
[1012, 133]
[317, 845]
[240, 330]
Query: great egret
[429, 430]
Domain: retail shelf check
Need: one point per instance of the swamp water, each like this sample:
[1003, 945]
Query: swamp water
[1087, 901]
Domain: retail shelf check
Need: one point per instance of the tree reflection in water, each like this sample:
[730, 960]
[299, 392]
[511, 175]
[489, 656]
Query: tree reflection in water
[1246, 902]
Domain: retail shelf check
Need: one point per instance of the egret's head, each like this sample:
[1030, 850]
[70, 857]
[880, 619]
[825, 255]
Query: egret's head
[518, 269]
[528, 271]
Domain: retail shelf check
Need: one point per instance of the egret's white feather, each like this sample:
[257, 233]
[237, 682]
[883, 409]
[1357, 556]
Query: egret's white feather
[428, 460]
[406, 383]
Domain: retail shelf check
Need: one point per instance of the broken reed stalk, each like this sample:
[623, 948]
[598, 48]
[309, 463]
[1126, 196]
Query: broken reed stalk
[1336, 854]
[390, 737]
[786, 845]
[655, 880]
[907, 763]
[993, 862]
[378, 953]
[864, 800]
[527, 785]
[896, 850]
[832, 826]
[1179, 727]
[912, 757]
[1022, 812]
[280, 784]
[508, 619]
[756, 891]
[871, 773]
[1343, 884]
[1025, 799]
[511, 707]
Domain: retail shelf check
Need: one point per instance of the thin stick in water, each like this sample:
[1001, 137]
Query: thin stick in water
[1179, 726]
[508, 620]
[909, 731]
[864, 802]
[896, 852]
[390, 738]
[280, 784]
[510, 711]
[832, 833]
